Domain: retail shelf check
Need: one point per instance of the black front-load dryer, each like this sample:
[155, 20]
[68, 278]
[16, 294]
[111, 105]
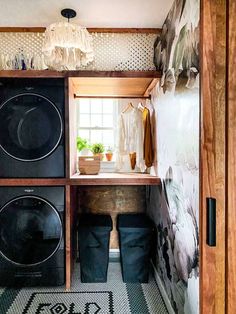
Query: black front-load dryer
[32, 236]
[31, 128]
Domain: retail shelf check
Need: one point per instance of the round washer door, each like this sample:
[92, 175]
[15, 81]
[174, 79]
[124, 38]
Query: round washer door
[30, 230]
[31, 127]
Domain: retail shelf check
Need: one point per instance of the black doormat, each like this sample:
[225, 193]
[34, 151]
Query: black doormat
[70, 302]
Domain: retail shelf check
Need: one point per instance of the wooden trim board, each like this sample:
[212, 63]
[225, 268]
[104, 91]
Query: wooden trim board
[73, 129]
[115, 179]
[68, 228]
[85, 74]
[70, 232]
[119, 87]
[109, 84]
[150, 87]
[100, 179]
[30, 74]
[231, 161]
[90, 29]
[32, 182]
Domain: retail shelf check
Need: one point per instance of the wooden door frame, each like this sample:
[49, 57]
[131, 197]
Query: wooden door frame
[213, 152]
[231, 160]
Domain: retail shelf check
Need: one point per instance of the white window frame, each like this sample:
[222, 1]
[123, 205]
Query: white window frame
[106, 166]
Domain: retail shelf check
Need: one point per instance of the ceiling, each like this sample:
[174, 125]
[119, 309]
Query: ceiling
[90, 13]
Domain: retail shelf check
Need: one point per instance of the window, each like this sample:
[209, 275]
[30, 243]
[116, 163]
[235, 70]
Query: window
[97, 120]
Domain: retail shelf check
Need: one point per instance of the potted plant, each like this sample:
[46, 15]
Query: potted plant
[83, 146]
[98, 149]
[109, 153]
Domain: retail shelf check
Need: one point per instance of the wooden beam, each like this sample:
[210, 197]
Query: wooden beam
[68, 238]
[22, 29]
[73, 131]
[90, 29]
[51, 74]
[125, 74]
[31, 74]
[126, 30]
[150, 87]
[70, 231]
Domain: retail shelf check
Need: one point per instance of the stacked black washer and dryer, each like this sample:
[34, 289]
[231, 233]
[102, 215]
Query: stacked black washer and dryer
[32, 145]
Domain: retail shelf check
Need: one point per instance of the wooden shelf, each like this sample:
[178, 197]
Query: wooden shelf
[115, 179]
[54, 74]
[115, 87]
[31, 74]
[32, 182]
[99, 84]
[128, 74]
[90, 30]
[100, 179]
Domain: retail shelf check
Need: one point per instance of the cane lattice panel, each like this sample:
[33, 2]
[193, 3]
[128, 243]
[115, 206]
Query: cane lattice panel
[113, 52]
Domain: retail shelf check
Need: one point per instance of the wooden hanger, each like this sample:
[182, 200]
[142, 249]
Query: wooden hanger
[129, 106]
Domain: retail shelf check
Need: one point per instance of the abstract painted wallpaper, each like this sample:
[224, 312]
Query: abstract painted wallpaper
[174, 206]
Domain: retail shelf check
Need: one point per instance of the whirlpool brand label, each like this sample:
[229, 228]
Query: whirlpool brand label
[91, 302]
[29, 190]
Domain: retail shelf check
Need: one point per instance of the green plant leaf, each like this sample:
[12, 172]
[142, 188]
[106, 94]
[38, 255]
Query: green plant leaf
[81, 143]
[97, 148]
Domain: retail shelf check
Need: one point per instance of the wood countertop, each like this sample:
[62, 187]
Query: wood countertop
[115, 179]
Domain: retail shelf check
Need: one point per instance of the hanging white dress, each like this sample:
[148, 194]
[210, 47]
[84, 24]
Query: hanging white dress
[130, 140]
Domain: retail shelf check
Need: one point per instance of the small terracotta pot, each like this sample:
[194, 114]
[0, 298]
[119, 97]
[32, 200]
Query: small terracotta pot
[109, 156]
[101, 155]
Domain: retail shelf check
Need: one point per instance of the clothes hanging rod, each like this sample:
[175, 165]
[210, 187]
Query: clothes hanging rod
[114, 97]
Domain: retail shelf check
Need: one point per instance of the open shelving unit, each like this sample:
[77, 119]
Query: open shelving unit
[32, 182]
[110, 84]
[82, 73]
[76, 180]
[115, 179]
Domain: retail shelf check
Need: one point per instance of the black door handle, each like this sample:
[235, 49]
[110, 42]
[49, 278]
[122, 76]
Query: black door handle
[211, 221]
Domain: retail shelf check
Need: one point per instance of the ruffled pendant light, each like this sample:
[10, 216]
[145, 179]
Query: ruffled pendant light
[67, 46]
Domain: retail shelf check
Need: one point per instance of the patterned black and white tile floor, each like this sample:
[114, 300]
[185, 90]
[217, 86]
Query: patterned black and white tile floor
[113, 297]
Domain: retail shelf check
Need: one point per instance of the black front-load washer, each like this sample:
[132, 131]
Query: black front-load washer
[31, 128]
[32, 236]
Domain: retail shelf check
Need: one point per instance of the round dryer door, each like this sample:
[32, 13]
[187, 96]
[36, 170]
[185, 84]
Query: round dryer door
[30, 230]
[31, 127]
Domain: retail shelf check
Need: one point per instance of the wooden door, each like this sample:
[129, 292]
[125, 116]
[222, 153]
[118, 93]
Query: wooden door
[231, 160]
[213, 152]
